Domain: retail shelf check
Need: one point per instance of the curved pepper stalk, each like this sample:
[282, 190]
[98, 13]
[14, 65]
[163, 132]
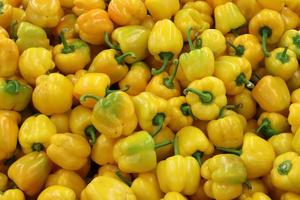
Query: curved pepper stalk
[169, 81]
[90, 133]
[165, 57]
[67, 48]
[265, 33]
[205, 96]
[239, 50]
[158, 121]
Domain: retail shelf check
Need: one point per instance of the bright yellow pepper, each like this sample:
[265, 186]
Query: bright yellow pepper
[52, 94]
[282, 142]
[44, 13]
[34, 62]
[174, 196]
[256, 185]
[249, 8]
[291, 39]
[61, 122]
[57, 191]
[296, 141]
[68, 179]
[258, 196]
[295, 97]
[3, 182]
[215, 40]
[75, 77]
[18, 14]
[203, 8]
[6, 12]
[30, 172]
[14, 194]
[102, 151]
[290, 18]
[270, 87]
[290, 196]
[162, 9]
[293, 118]
[274, 5]
[69, 151]
[8, 59]
[82, 6]
[67, 25]
[294, 5]
[166, 134]
[35, 133]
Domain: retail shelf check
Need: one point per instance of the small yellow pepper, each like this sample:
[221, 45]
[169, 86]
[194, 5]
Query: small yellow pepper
[57, 191]
[8, 59]
[102, 151]
[274, 5]
[166, 134]
[61, 122]
[291, 39]
[82, 6]
[282, 142]
[215, 40]
[6, 12]
[174, 196]
[290, 195]
[249, 8]
[162, 9]
[293, 117]
[253, 186]
[15, 194]
[290, 18]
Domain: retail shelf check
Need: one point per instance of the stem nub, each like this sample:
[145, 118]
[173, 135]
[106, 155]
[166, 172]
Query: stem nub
[265, 33]
[205, 96]
[165, 57]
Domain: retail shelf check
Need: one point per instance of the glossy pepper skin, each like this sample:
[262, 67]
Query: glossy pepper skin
[102, 151]
[107, 188]
[9, 56]
[57, 191]
[270, 87]
[258, 196]
[61, 122]
[291, 39]
[6, 14]
[174, 196]
[296, 141]
[257, 185]
[15, 194]
[44, 13]
[275, 5]
[35, 167]
[92, 24]
[249, 8]
[225, 174]
[290, 18]
[15, 94]
[215, 40]
[162, 9]
[293, 116]
[282, 142]
[54, 88]
[285, 174]
[206, 97]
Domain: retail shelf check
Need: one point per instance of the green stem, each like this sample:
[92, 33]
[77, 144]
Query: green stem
[124, 179]
[162, 144]
[67, 48]
[109, 91]
[1, 7]
[158, 121]
[109, 43]
[283, 56]
[229, 150]
[198, 43]
[165, 57]
[37, 147]
[176, 147]
[248, 184]
[169, 81]
[198, 156]
[14, 30]
[296, 40]
[12, 87]
[90, 133]
[205, 96]
[266, 128]
[265, 33]
[241, 80]
[186, 109]
[189, 38]
[285, 167]
[229, 107]
[239, 50]
[89, 96]
[120, 59]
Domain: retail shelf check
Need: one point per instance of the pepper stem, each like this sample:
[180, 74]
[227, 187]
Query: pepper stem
[166, 57]
[285, 167]
[12, 87]
[248, 184]
[37, 147]
[120, 59]
[89, 96]
[124, 179]
[109, 91]
[296, 40]
[239, 50]
[198, 43]
[67, 48]
[198, 156]
[158, 121]
[109, 43]
[229, 150]
[176, 147]
[90, 133]
[169, 81]
[265, 33]
[266, 128]
[186, 109]
[205, 96]
[241, 79]
[14, 30]
[229, 107]
[283, 56]
[162, 144]
[189, 38]
[1, 7]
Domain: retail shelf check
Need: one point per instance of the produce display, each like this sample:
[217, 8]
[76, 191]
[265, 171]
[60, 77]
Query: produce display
[149, 99]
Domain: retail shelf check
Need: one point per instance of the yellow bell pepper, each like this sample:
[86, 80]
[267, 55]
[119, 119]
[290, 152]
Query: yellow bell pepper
[124, 13]
[291, 39]
[106, 188]
[282, 142]
[92, 25]
[102, 151]
[30, 172]
[285, 173]
[69, 151]
[253, 186]
[162, 9]
[6, 12]
[18, 15]
[67, 25]
[57, 191]
[136, 79]
[290, 18]
[225, 174]
[215, 40]
[3, 182]
[274, 5]
[35, 133]
[170, 39]
[295, 97]
[258, 196]
[180, 113]
[14, 194]
[174, 196]
[61, 122]
[290, 196]
[114, 172]
[206, 97]
[44, 13]
[52, 94]
[151, 111]
[294, 82]
[294, 5]
[249, 8]
[15, 94]
[166, 134]
[68, 179]
[82, 6]
[296, 141]
[203, 8]
[145, 186]
[268, 26]
[3, 33]
[113, 115]
[270, 87]
[293, 118]
[215, 3]
[75, 77]
[34, 62]
[8, 59]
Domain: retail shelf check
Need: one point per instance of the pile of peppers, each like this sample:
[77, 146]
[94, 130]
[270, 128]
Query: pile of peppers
[149, 99]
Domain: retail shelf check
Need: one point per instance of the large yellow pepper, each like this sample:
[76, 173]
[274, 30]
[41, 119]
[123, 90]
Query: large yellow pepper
[44, 13]
[253, 186]
[129, 12]
[35, 133]
[291, 39]
[15, 194]
[8, 135]
[285, 173]
[34, 62]
[6, 12]
[82, 6]
[61, 122]
[274, 5]
[102, 151]
[106, 188]
[206, 97]
[249, 8]
[113, 115]
[170, 39]
[215, 40]
[268, 25]
[151, 111]
[290, 18]
[166, 134]
[15, 94]
[57, 191]
[282, 142]
[174, 196]
[30, 172]
[68, 179]
[69, 151]
[290, 196]
[162, 9]
[52, 94]
[270, 87]
[92, 24]
[8, 59]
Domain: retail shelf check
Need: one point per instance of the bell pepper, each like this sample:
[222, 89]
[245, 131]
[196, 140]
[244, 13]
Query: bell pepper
[294, 82]
[8, 59]
[170, 39]
[34, 62]
[295, 97]
[151, 112]
[291, 39]
[294, 5]
[14, 194]
[18, 15]
[68, 179]
[61, 122]
[160, 10]
[113, 115]
[3, 33]
[136, 79]
[290, 18]
[6, 12]
[166, 134]
[268, 26]
[15, 94]
[82, 6]
[114, 172]
[69, 151]
[3, 182]
[71, 55]
[45, 14]
[293, 118]
[75, 77]
[131, 39]
[106, 188]
[249, 8]
[289, 196]
[285, 173]
[57, 191]
[66, 24]
[174, 196]
[54, 88]
[102, 151]
[35, 133]
[215, 40]
[145, 186]
[270, 87]
[228, 17]
[206, 97]
[275, 5]
[30, 172]
[251, 187]
[258, 196]
[180, 113]
[124, 13]
[282, 142]
[296, 141]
